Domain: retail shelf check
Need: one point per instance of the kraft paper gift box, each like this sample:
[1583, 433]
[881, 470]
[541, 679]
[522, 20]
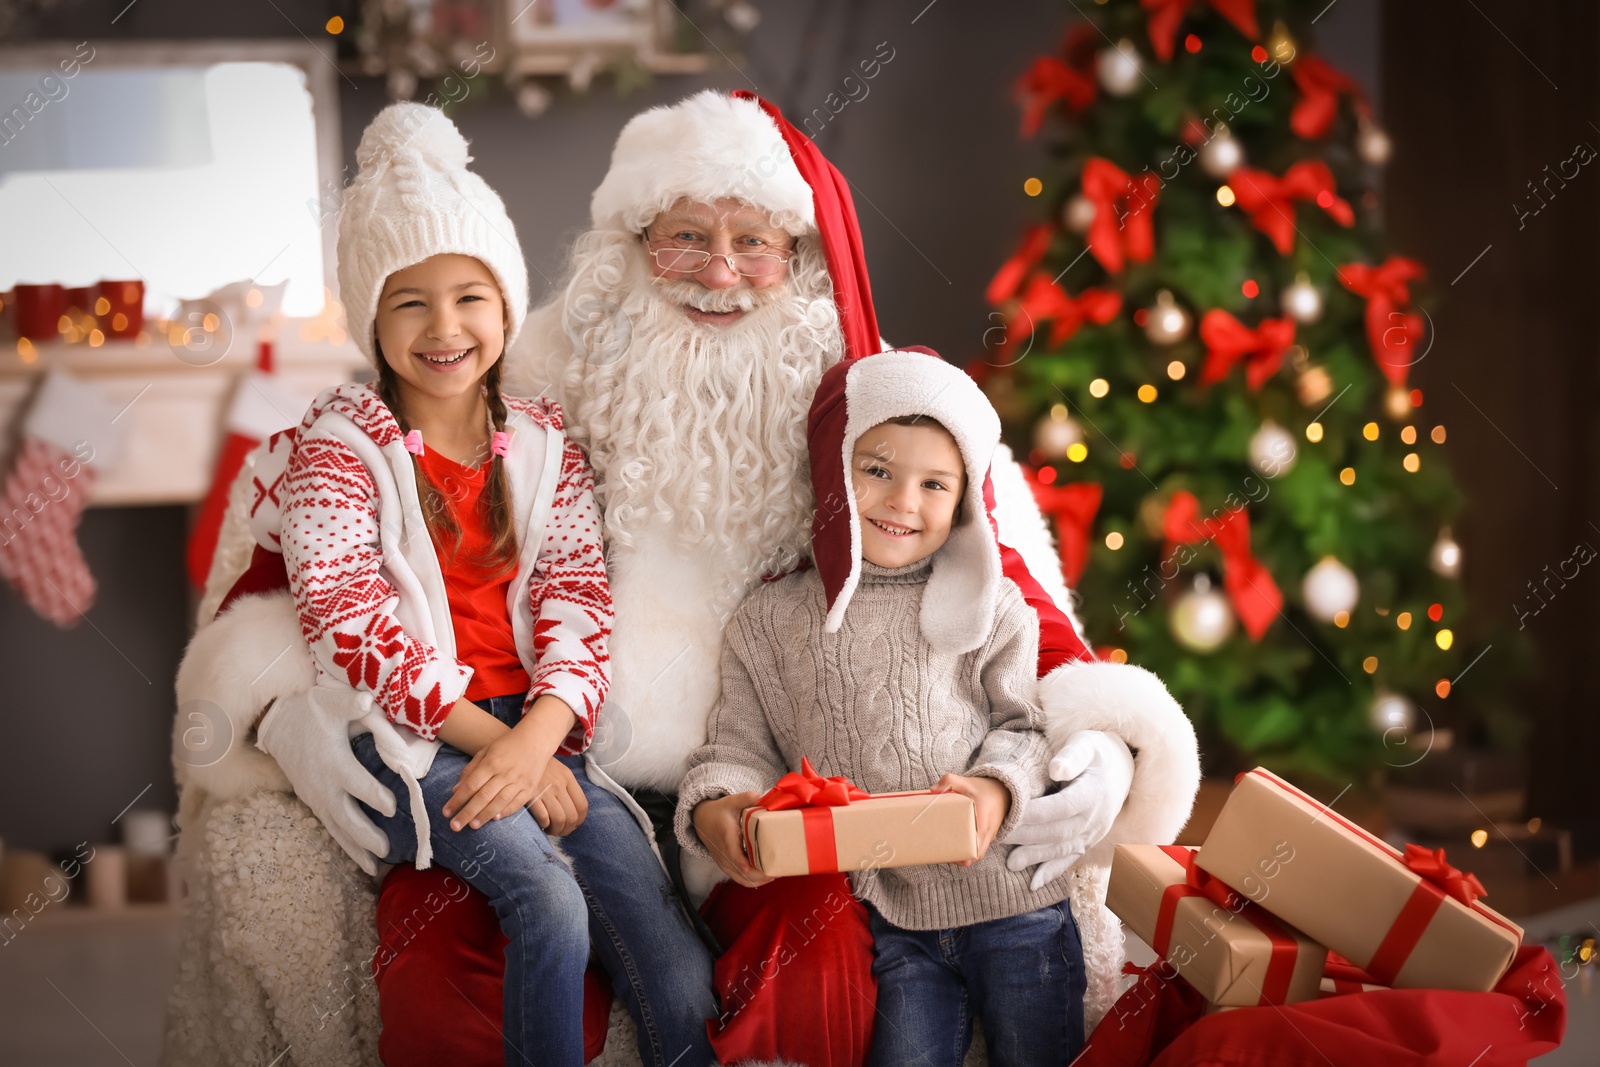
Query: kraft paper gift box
[1408, 920]
[1231, 951]
[809, 824]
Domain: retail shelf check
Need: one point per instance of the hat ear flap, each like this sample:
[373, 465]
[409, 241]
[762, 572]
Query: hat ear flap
[959, 602]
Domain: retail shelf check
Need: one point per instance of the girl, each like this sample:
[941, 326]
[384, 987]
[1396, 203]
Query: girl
[445, 557]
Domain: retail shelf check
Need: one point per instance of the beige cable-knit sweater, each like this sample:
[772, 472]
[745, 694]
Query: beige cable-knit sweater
[879, 705]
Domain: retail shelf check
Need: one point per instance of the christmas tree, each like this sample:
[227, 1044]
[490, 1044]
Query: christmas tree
[1204, 351]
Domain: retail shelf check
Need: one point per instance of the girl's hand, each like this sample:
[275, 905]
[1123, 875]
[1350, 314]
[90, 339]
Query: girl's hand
[559, 806]
[505, 775]
[717, 823]
[991, 800]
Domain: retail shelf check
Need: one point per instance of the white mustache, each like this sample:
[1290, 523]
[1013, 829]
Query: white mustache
[716, 300]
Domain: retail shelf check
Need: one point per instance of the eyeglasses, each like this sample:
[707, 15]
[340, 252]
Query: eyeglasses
[692, 261]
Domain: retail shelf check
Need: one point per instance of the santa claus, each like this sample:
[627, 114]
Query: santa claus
[722, 275]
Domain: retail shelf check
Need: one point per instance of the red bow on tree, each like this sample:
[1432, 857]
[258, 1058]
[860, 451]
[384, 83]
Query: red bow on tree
[1392, 332]
[1042, 299]
[1166, 14]
[1228, 340]
[1320, 84]
[1049, 80]
[1124, 208]
[808, 789]
[1270, 201]
[1255, 596]
[1430, 863]
[1008, 279]
[1073, 507]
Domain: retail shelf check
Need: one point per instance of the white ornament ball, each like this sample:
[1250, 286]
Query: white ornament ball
[1053, 436]
[1373, 144]
[1120, 68]
[1168, 322]
[1272, 450]
[1328, 589]
[1202, 619]
[1222, 155]
[1392, 712]
[1078, 215]
[1445, 556]
[1301, 301]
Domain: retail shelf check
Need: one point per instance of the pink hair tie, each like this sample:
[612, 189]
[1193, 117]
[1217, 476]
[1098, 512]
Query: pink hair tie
[500, 443]
[414, 442]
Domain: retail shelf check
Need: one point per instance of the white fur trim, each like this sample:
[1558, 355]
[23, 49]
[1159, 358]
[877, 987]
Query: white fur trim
[1132, 704]
[259, 403]
[705, 148]
[958, 604]
[231, 670]
[77, 418]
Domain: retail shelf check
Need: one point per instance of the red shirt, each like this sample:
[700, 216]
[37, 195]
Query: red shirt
[484, 639]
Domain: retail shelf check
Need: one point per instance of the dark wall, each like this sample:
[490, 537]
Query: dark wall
[937, 166]
[1480, 99]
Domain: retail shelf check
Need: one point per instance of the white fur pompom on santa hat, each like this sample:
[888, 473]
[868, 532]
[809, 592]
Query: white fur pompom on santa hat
[413, 199]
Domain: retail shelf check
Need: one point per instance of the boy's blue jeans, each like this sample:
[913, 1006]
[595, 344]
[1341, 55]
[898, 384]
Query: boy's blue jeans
[615, 898]
[1022, 976]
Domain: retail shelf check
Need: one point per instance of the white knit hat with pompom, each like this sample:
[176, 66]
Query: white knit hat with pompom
[414, 198]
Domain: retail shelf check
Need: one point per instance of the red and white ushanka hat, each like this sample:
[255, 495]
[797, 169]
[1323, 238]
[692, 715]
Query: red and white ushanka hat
[852, 398]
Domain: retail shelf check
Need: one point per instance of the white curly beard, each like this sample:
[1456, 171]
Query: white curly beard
[695, 426]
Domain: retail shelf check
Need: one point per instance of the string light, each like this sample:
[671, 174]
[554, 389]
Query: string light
[25, 350]
[1192, 43]
[1409, 435]
[1416, 398]
[1077, 452]
[1113, 540]
[1403, 620]
[1119, 655]
[335, 25]
[1033, 186]
[1250, 289]
[1348, 476]
[1370, 664]
[1442, 688]
[1438, 434]
[1370, 431]
[1147, 393]
[1480, 838]
[1444, 639]
[102, 306]
[1099, 388]
[1225, 196]
[1176, 370]
[1314, 432]
[1341, 619]
[1412, 462]
[1435, 612]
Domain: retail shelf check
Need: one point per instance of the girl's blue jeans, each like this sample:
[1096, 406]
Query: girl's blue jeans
[615, 898]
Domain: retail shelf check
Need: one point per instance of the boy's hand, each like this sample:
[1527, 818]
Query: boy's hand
[559, 806]
[991, 800]
[505, 775]
[717, 823]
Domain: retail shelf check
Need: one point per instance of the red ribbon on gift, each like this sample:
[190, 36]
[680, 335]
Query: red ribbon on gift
[1124, 208]
[1197, 883]
[1438, 881]
[1255, 596]
[1393, 333]
[814, 797]
[1269, 201]
[1228, 341]
[1073, 507]
[1165, 15]
[1047, 81]
[1320, 84]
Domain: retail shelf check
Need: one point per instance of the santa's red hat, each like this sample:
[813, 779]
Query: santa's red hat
[852, 398]
[712, 146]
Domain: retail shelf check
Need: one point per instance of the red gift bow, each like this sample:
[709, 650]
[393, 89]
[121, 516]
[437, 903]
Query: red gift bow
[1042, 300]
[1255, 596]
[1320, 84]
[1228, 340]
[1114, 237]
[1008, 279]
[1269, 201]
[1392, 333]
[1198, 883]
[1049, 80]
[807, 789]
[1165, 15]
[1426, 898]
[1073, 507]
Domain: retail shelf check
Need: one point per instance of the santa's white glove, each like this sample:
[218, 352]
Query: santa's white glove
[309, 735]
[1057, 829]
